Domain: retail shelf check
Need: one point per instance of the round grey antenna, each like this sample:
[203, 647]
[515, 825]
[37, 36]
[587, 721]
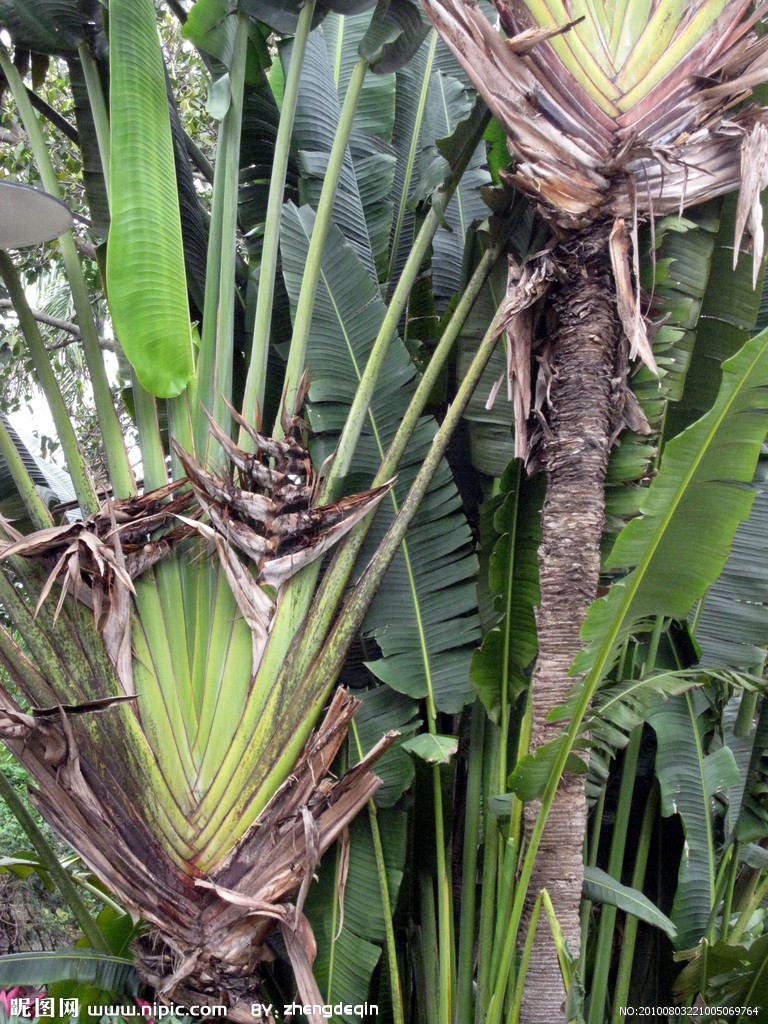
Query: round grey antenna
[29, 216]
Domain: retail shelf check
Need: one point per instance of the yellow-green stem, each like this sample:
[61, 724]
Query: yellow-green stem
[253, 400]
[304, 307]
[214, 384]
[34, 504]
[623, 976]
[472, 817]
[98, 108]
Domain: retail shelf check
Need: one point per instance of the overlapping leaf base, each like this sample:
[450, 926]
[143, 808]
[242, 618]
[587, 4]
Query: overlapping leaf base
[212, 870]
[612, 115]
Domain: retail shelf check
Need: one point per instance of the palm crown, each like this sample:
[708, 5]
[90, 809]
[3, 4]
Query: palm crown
[605, 117]
[613, 117]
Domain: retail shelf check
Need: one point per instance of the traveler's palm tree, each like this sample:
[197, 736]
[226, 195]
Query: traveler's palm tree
[614, 113]
[169, 642]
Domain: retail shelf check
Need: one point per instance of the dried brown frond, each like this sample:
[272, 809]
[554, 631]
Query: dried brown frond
[269, 515]
[97, 559]
[209, 933]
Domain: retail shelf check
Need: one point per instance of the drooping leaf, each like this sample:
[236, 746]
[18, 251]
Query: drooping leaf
[677, 547]
[599, 887]
[145, 261]
[211, 27]
[113, 973]
[432, 748]
[690, 777]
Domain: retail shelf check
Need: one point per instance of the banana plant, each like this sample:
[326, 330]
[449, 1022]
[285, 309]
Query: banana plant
[176, 652]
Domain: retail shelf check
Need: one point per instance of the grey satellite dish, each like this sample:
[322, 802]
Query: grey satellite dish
[29, 216]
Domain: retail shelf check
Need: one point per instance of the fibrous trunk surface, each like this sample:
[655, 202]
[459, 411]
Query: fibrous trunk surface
[585, 383]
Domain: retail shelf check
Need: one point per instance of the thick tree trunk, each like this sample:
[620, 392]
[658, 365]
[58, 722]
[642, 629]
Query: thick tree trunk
[586, 346]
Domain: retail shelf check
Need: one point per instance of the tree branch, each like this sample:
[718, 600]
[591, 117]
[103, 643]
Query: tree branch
[44, 318]
[61, 325]
[53, 116]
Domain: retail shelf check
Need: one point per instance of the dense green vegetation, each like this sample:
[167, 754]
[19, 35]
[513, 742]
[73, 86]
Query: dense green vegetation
[327, 496]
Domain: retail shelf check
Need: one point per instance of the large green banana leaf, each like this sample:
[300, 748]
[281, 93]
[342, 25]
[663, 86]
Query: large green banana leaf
[449, 100]
[145, 261]
[677, 273]
[690, 777]
[370, 146]
[112, 973]
[11, 505]
[732, 619]
[49, 26]
[314, 131]
[381, 711]
[427, 639]
[727, 314]
[419, 89]
[679, 544]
